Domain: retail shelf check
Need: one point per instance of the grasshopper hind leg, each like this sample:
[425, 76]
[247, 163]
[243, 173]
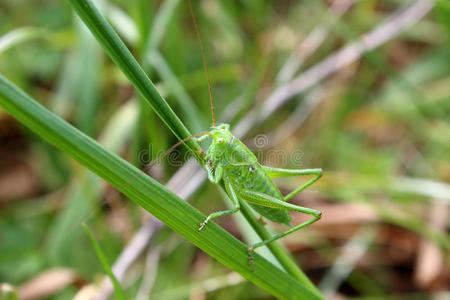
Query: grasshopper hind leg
[268, 201]
[261, 199]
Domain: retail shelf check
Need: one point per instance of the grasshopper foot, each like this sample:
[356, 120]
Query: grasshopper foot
[202, 224]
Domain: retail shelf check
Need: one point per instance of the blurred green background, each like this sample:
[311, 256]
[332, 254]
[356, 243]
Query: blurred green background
[358, 88]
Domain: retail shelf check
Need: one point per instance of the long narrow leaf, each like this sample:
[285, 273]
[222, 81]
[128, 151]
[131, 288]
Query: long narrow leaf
[151, 195]
[123, 58]
[120, 54]
[106, 266]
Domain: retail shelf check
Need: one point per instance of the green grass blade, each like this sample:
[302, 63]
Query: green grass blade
[88, 97]
[120, 54]
[151, 195]
[277, 250]
[123, 58]
[84, 191]
[159, 27]
[191, 113]
[147, 128]
[106, 266]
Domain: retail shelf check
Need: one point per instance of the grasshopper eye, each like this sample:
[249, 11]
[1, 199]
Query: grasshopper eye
[220, 140]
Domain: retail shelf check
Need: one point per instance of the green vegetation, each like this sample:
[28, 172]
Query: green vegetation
[377, 123]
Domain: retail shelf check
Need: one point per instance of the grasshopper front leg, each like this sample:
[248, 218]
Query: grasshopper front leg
[232, 194]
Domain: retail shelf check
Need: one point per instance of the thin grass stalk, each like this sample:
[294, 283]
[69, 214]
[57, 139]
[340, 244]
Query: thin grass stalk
[151, 195]
[191, 114]
[106, 266]
[123, 58]
[277, 250]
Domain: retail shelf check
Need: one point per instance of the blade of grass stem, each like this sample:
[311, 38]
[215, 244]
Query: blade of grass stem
[278, 251]
[85, 190]
[190, 110]
[106, 266]
[123, 58]
[150, 194]
[160, 24]
[142, 13]
[329, 65]
[249, 235]
[80, 200]
[147, 128]
[88, 79]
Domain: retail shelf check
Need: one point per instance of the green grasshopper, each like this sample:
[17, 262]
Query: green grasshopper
[245, 179]
[229, 160]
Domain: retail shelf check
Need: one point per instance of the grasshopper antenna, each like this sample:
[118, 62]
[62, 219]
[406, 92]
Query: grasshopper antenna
[153, 162]
[202, 50]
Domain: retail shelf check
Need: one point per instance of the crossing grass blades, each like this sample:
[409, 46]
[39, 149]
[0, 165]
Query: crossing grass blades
[230, 161]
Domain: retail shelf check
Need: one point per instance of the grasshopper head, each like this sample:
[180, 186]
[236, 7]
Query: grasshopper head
[221, 134]
[223, 149]
[221, 137]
